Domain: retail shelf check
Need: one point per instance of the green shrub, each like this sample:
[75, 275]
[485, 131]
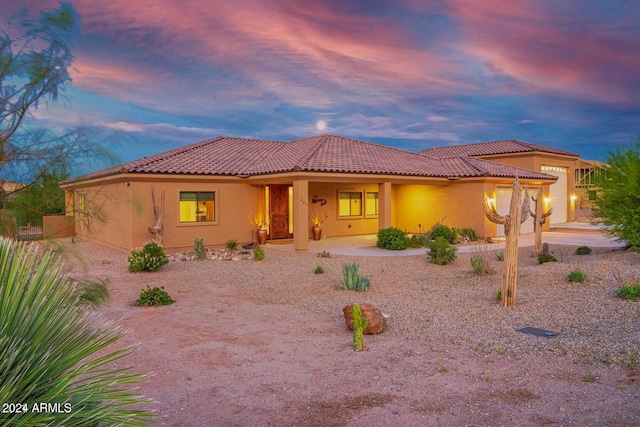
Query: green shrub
[583, 250]
[351, 279]
[414, 242]
[576, 276]
[497, 295]
[319, 269]
[546, 257]
[630, 289]
[468, 232]
[150, 258]
[441, 252]
[154, 297]
[198, 248]
[232, 244]
[500, 255]
[392, 238]
[441, 230]
[480, 260]
[258, 253]
[52, 350]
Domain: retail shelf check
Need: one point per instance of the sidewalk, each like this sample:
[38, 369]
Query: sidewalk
[584, 235]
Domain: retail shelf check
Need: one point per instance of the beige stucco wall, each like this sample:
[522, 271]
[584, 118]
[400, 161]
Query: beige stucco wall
[120, 208]
[535, 162]
[57, 226]
[120, 213]
[461, 205]
[107, 216]
[334, 225]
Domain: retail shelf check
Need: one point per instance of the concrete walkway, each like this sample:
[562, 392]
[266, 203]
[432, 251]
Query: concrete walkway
[574, 234]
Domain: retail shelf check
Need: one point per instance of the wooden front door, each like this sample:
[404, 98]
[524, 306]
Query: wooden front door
[279, 208]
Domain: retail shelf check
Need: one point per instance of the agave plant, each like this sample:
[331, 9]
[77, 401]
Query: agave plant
[53, 362]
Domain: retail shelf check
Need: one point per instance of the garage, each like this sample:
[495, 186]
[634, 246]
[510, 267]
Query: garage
[503, 200]
[558, 193]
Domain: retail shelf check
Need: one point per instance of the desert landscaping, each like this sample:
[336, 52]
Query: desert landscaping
[264, 343]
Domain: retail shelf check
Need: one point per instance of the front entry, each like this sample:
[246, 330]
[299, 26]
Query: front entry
[279, 211]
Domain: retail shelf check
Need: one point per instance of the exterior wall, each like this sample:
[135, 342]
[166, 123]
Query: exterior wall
[419, 207]
[334, 225]
[107, 216]
[120, 213]
[237, 206]
[535, 162]
[57, 226]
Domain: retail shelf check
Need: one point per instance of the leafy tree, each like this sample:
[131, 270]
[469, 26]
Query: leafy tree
[43, 197]
[34, 72]
[618, 199]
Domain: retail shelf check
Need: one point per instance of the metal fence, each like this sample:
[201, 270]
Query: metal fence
[30, 228]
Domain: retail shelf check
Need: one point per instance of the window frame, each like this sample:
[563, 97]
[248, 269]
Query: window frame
[377, 198]
[216, 213]
[361, 198]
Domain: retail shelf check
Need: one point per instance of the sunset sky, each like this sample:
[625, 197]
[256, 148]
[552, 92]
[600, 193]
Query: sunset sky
[406, 73]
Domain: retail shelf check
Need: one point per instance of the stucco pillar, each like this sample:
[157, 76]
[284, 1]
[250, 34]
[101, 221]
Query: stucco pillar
[301, 214]
[384, 205]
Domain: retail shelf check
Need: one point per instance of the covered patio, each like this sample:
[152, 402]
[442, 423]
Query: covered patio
[572, 234]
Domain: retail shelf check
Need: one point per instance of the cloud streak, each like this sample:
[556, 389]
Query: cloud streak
[444, 72]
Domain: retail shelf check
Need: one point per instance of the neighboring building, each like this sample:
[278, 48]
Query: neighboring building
[562, 196]
[221, 188]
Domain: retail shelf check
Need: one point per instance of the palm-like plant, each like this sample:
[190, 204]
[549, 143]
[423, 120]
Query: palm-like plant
[49, 350]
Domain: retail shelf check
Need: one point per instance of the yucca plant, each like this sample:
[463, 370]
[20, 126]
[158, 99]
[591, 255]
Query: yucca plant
[49, 350]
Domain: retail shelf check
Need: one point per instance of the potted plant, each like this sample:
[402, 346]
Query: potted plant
[263, 226]
[316, 225]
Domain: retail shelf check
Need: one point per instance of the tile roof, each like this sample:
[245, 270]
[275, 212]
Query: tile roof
[495, 147]
[323, 153]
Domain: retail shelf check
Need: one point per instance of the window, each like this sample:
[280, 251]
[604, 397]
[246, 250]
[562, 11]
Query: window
[197, 206]
[83, 205]
[350, 203]
[371, 204]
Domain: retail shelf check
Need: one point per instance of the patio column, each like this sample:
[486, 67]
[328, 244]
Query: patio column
[384, 205]
[300, 214]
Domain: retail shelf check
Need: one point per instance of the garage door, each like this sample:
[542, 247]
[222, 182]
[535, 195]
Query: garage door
[558, 193]
[503, 200]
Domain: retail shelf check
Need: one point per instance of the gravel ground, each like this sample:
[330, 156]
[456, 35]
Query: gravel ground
[441, 319]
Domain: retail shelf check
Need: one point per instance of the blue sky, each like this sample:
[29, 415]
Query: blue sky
[159, 74]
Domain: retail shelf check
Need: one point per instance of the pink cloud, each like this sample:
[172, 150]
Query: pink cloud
[549, 48]
[305, 53]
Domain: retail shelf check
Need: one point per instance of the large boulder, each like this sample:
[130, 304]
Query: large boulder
[377, 321]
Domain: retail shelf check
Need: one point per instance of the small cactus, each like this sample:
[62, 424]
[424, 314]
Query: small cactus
[198, 248]
[359, 325]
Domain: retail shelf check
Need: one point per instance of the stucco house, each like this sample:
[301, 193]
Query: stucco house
[223, 188]
[564, 165]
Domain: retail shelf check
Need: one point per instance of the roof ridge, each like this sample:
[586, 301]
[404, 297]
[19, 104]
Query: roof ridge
[470, 163]
[322, 139]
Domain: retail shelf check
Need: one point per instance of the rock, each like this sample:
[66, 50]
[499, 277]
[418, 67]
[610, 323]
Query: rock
[377, 321]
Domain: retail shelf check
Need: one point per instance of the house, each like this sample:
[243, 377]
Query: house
[222, 188]
[564, 165]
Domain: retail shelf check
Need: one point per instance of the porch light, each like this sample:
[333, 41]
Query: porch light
[490, 201]
[547, 200]
[573, 198]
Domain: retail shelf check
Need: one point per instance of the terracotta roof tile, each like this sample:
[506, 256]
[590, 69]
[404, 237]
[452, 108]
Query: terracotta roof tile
[322, 153]
[494, 147]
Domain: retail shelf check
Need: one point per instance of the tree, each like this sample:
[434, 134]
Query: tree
[618, 197]
[34, 72]
[44, 197]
